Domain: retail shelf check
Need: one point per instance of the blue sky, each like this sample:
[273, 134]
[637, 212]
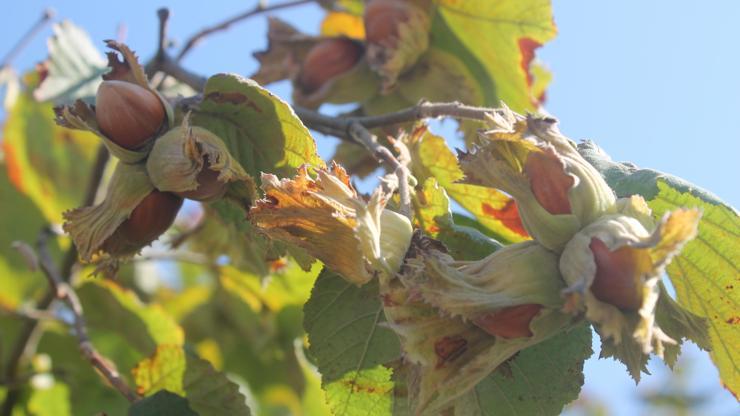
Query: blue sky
[653, 82]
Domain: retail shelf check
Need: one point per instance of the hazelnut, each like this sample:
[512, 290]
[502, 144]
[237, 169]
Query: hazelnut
[150, 219]
[509, 322]
[209, 187]
[128, 114]
[617, 274]
[382, 18]
[326, 60]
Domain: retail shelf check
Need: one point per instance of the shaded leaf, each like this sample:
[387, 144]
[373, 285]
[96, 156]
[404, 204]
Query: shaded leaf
[111, 308]
[162, 403]
[208, 391]
[345, 327]
[539, 380]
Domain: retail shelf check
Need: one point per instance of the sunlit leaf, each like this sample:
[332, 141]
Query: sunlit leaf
[44, 161]
[50, 400]
[362, 392]
[207, 391]
[496, 40]
[498, 212]
[343, 24]
[705, 275]
[74, 66]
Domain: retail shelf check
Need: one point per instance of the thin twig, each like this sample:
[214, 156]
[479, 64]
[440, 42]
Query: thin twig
[257, 9]
[25, 340]
[64, 292]
[45, 18]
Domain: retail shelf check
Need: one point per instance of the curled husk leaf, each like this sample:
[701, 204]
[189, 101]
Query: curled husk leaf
[178, 157]
[523, 273]
[391, 55]
[613, 269]
[353, 237]
[557, 191]
[81, 116]
[452, 354]
[90, 227]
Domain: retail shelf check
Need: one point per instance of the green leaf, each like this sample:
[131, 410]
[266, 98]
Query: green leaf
[74, 65]
[363, 392]
[50, 401]
[44, 161]
[20, 220]
[628, 179]
[162, 403]
[208, 391]
[260, 129]
[348, 340]
[109, 308]
[540, 380]
[345, 327]
[496, 41]
[705, 275]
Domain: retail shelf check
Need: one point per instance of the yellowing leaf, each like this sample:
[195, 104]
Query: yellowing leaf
[363, 392]
[44, 161]
[208, 391]
[705, 276]
[343, 24]
[501, 37]
[496, 211]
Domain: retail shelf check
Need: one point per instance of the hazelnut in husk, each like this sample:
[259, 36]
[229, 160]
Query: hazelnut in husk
[326, 60]
[209, 187]
[128, 114]
[150, 219]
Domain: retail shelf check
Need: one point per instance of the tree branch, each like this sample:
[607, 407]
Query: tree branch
[45, 18]
[261, 7]
[64, 292]
[23, 344]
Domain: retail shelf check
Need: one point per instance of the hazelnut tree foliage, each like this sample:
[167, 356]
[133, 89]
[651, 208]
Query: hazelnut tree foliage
[290, 292]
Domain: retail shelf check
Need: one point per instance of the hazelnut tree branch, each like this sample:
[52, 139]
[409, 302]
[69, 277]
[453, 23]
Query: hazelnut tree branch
[25, 343]
[45, 18]
[64, 292]
[260, 7]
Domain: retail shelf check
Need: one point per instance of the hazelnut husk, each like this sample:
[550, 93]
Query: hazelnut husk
[128, 114]
[326, 60]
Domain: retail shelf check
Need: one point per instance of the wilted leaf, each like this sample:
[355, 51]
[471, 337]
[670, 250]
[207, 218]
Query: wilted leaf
[208, 392]
[74, 66]
[44, 161]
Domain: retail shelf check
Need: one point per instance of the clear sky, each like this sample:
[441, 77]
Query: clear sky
[653, 82]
